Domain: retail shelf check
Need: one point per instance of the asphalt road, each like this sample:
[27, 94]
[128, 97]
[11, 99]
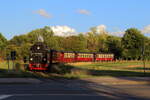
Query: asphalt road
[73, 90]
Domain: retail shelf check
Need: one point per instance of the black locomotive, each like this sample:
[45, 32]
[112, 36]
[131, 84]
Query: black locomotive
[38, 57]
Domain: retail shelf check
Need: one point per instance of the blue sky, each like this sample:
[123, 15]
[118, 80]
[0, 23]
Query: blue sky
[22, 16]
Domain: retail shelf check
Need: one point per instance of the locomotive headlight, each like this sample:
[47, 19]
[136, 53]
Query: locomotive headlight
[31, 59]
[44, 59]
[38, 47]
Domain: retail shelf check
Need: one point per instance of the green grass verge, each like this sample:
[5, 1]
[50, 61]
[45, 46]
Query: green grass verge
[82, 70]
[97, 69]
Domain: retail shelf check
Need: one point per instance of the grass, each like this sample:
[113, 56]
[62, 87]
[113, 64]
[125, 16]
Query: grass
[125, 68]
[4, 65]
[16, 72]
[82, 70]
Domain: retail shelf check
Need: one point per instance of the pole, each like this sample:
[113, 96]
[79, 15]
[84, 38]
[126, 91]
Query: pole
[144, 67]
[13, 65]
[8, 62]
[8, 65]
[143, 54]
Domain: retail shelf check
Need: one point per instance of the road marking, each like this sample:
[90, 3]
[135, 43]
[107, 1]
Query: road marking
[4, 96]
[49, 95]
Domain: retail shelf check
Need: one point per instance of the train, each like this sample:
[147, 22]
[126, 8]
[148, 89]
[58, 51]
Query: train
[41, 57]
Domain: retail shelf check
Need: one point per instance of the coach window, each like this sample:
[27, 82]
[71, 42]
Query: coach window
[100, 55]
[92, 55]
[109, 55]
[106, 55]
[65, 55]
[112, 56]
[87, 55]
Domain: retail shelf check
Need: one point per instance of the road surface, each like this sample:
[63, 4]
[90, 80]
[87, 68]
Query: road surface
[74, 90]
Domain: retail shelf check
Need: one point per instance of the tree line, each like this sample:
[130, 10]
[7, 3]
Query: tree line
[132, 46]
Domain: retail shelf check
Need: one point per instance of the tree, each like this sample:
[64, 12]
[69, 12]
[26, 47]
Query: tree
[45, 32]
[75, 43]
[102, 42]
[132, 42]
[114, 46]
[19, 40]
[3, 43]
[96, 39]
[92, 41]
[147, 48]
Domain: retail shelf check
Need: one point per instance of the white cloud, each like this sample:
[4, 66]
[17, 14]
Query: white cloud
[117, 33]
[43, 13]
[84, 12]
[146, 30]
[100, 28]
[103, 28]
[63, 30]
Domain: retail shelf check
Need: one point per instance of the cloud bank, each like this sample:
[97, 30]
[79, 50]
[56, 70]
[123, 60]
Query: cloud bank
[63, 30]
[146, 30]
[103, 29]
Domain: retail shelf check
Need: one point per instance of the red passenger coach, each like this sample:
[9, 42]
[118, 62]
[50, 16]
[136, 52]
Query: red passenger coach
[68, 57]
[65, 57]
[104, 57]
[85, 57]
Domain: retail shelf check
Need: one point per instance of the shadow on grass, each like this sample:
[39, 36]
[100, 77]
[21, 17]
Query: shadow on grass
[67, 71]
[108, 92]
[141, 68]
[116, 73]
[60, 70]
[15, 74]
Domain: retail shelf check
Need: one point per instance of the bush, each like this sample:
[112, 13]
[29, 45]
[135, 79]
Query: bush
[61, 68]
[18, 67]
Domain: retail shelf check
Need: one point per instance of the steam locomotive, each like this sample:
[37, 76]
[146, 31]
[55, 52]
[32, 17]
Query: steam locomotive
[41, 57]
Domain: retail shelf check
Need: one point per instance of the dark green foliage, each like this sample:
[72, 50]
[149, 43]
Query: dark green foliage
[130, 46]
[132, 42]
[3, 43]
[114, 46]
[74, 43]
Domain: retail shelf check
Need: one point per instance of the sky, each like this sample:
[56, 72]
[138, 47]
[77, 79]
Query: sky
[21, 16]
